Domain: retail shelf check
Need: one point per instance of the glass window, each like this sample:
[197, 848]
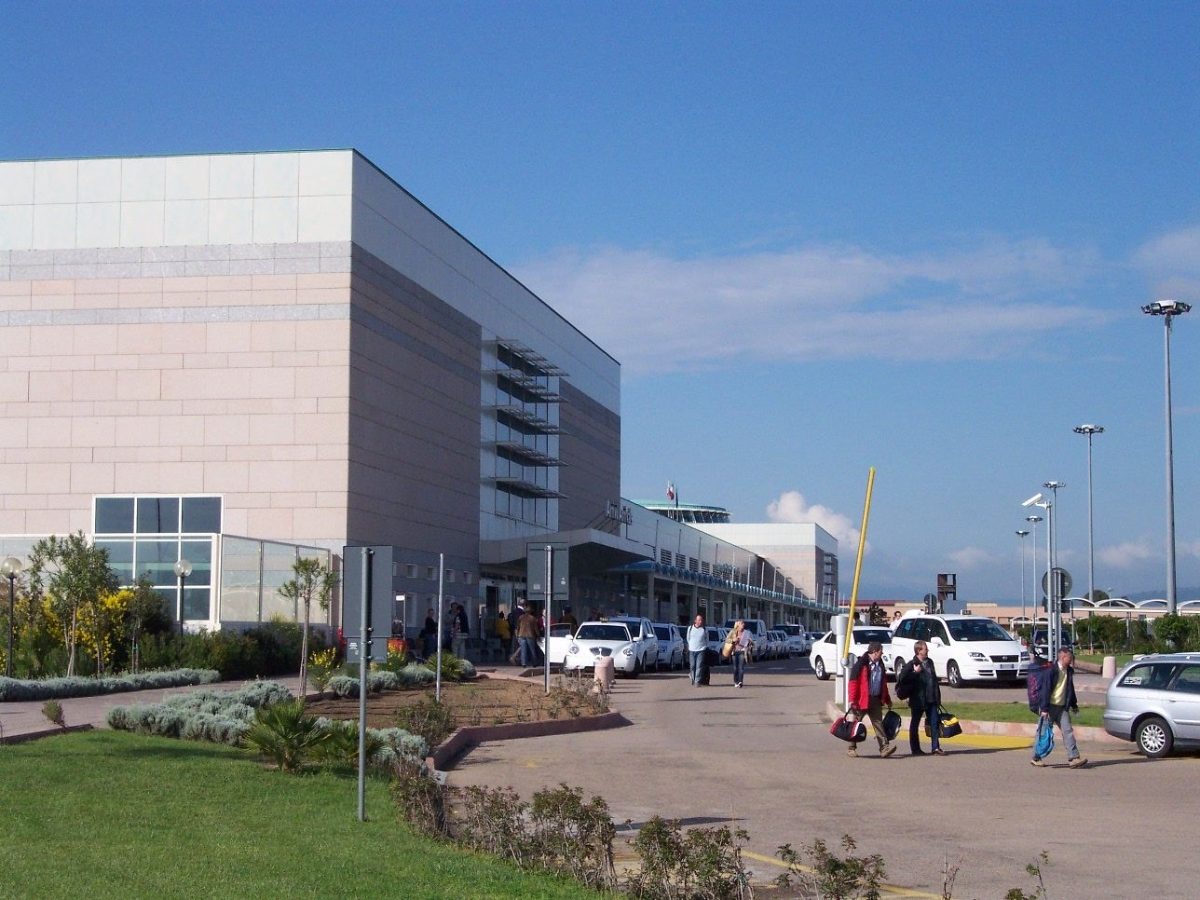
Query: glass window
[1150, 676]
[120, 558]
[1188, 680]
[202, 515]
[114, 515]
[195, 602]
[157, 560]
[158, 515]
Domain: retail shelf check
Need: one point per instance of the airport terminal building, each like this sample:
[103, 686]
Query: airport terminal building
[237, 359]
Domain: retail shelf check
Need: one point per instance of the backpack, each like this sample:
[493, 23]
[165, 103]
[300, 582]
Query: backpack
[904, 685]
[1035, 682]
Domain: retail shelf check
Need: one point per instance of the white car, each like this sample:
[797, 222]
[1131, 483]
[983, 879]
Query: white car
[962, 648]
[824, 654]
[560, 642]
[716, 640]
[642, 632]
[594, 640]
[797, 640]
[672, 649]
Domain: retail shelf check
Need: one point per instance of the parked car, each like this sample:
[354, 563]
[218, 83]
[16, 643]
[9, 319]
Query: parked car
[642, 632]
[672, 649]
[779, 648]
[1155, 702]
[797, 639]
[962, 648]
[757, 629]
[824, 653]
[1039, 641]
[594, 640]
[560, 642]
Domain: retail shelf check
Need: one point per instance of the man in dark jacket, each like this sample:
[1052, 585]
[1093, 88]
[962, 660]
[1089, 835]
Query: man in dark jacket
[869, 695]
[919, 678]
[1058, 701]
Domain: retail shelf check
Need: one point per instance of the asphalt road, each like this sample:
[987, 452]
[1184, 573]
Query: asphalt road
[761, 758]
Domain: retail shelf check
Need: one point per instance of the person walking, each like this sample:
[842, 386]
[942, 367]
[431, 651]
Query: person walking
[1058, 702]
[869, 695]
[924, 698]
[697, 644]
[527, 635]
[742, 642]
[429, 634]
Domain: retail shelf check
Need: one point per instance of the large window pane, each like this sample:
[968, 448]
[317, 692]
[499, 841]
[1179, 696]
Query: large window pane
[196, 602]
[157, 559]
[202, 515]
[239, 580]
[120, 559]
[158, 515]
[114, 515]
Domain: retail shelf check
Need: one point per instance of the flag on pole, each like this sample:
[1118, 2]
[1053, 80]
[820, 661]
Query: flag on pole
[670, 490]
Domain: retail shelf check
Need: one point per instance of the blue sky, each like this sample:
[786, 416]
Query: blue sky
[819, 237]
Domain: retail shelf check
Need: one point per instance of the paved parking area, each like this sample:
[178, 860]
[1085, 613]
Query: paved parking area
[761, 758]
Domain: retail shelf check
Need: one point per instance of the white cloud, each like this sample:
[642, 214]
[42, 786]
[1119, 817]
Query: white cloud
[658, 312]
[1172, 262]
[1126, 555]
[971, 558]
[791, 507]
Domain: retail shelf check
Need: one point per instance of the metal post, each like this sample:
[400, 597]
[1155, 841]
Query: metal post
[364, 654]
[1051, 649]
[1171, 609]
[546, 614]
[8, 659]
[1022, 534]
[1090, 430]
[437, 693]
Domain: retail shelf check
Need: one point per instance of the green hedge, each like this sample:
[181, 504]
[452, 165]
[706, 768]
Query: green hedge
[14, 689]
[270, 649]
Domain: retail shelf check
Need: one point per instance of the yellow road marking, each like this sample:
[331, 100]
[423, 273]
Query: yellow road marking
[994, 741]
[892, 889]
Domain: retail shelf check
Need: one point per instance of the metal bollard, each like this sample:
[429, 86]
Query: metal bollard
[605, 672]
[1108, 668]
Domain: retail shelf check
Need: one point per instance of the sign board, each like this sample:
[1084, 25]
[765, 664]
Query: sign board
[1062, 585]
[381, 603]
[535, 574]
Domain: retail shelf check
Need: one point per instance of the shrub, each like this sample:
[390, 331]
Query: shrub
[53, 711]
[429, 718]
[284, 734]
[321, 666]
[453, 668]
[75, 686]
[703, 862]
[829, 875]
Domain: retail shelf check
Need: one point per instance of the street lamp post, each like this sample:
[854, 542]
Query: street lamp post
[1022, 534]
[1033, 523]
[1090, 430]
[183, 568]
[11, 567]
[1054, 601]
[1169, 309]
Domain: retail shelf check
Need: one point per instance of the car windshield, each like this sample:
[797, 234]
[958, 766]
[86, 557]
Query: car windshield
[791, 630]
[600, 632]
[662, 632]
[713, 634]
[976, 630]
[560, 629]
[868, 635]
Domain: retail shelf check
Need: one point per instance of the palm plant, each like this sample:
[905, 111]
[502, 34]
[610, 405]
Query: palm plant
[284, 734]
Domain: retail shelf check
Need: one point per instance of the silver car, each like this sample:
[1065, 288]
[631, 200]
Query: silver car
[1155, 702]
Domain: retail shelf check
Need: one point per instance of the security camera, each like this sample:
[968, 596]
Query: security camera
[1036, 498]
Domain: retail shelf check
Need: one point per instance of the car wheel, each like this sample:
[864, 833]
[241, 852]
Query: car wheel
[1154, 737]
[819, 668]
[953, 675]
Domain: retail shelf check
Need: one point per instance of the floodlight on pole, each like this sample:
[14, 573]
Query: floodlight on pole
[1022, 534]
[1090, 431]
[1169, 309]
[1033, 523]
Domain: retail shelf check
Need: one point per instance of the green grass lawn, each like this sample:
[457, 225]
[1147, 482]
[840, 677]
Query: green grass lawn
[111, 814]
[1098, 658]
[1018, 711]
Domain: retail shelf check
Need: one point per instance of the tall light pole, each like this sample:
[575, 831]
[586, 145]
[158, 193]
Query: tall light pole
[1054, 620]
[1090, 431]
[1033, 523]
[1169, 309]
[1022, 534]
[11, 567]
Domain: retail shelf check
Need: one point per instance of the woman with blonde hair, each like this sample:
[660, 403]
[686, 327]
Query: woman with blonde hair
[924, 697]
[742, 642]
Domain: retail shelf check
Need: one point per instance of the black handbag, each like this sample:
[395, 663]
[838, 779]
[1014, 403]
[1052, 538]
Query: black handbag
[948, 726]
[891, 724]
[848, 729]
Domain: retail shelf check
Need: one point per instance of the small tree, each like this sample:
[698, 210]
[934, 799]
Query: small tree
[313, 581]
[72, 573]
[146, 605]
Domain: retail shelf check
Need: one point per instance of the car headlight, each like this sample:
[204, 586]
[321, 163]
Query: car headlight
[976, 655]
[1024, 656]
[628, 651]
[573, 649]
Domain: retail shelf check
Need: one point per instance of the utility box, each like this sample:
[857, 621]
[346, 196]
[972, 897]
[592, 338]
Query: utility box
[380, 573]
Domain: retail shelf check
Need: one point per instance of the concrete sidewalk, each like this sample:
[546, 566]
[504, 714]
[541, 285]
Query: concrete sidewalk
[24, 720]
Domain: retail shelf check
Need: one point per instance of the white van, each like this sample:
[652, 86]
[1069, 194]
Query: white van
[962, 648]
[758, 634]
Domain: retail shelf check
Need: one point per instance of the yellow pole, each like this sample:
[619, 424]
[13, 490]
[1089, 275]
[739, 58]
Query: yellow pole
[862, 543]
